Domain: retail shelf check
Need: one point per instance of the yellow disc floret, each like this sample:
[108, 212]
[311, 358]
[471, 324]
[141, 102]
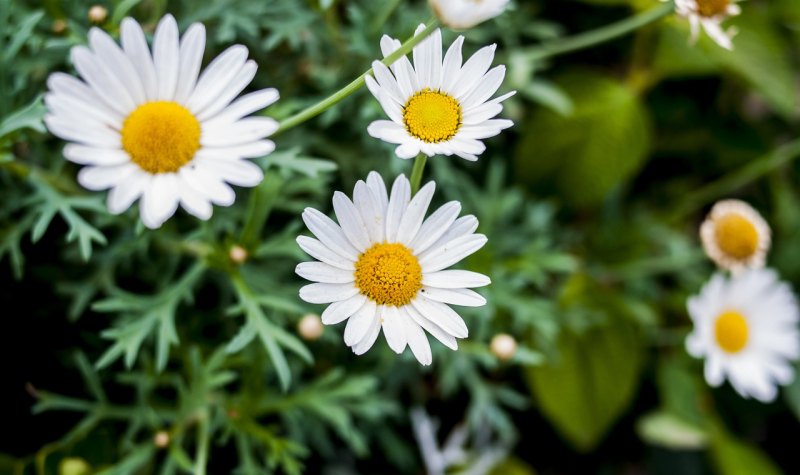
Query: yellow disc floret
[731, 331]
[736, 236]
[432, 116]
[712, 8]
[161, 136]
[388, 274]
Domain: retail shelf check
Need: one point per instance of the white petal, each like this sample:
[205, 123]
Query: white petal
[435, 330]
[370, 210]
[166, 56]
[452, 65]
[394, 330]
[482, 113]
[319, 251]
[135, 46]
[473, 70]
[193, 45]
[159, 200]
[461, 227]
[329, 233]
[240, 132]
[217, 77]
[388, 131]
[236, 172]
[387, 82]
[378, 187]
[83, 155]
[372, 334]
[398, 201]
[339, 311]
[359, 323]
[441, 315]
[209, 185]
[245, 105]
[102, 178]
[443, 256]
[102, 80]
[415, 213]
[435, 226]
[321, 272]
[77, 91]
[392, 109]
[408, 150]
[351, 222]
[485, 88]
[74, 108]
[76, 132]
[193, 201]
[454, 279]
[118, 63]
[236, 86]
[417, 340]
[327, 293]
[464, 297]
[123, 195]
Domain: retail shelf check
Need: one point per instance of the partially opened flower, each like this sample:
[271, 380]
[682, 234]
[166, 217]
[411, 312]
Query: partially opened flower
[438, 106]
[383, 267]
[735, 236]
[147, 126]
[462, 14]
[746, 329]
[709, 14]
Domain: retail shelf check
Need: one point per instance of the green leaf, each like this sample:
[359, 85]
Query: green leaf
[666, 430]
[586, 154]
[791, 393]
[29, 117]
[594, 378]
[734, 457]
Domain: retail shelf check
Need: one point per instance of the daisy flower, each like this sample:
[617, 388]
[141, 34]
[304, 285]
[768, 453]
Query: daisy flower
[462, 14]
[745, 327]
[151, 127]
[710, 14]
[437, 106]
[735, 236]
[383, 267]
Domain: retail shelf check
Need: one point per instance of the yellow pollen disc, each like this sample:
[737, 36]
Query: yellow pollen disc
[712, 8]
[388, 274]
[731, 331]
[736, 236]
[161, 136]
[432, 116]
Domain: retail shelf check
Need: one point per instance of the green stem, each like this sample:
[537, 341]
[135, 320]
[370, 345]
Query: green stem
[356, 84]
[203, 437]
[739, 178]
[416, 172]
[261, 202]
[600, 35]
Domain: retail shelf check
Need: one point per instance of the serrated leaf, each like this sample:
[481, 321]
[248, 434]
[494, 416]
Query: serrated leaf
[588, 153]
[29, 117]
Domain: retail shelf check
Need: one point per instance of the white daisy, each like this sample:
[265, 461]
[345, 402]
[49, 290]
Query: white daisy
[735, 236]
[153, 127]
[710, 14]
[382, 267]
[462, 14]
[438, 106]
[746, 329]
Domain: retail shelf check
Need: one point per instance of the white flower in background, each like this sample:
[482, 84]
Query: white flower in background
[383, 267]
[462, 14]
[709, 14]
[148, 126]
[745, 327]
[438, 106]
[735, 236]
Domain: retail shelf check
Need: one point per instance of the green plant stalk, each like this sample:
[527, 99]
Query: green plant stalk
[261, 203]
[203, 438]
[356, 84]
[600, 35]
[416, 172]
[739, 178]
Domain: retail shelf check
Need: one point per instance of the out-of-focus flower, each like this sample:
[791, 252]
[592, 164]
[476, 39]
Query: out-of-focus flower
[383, 267]
[709, 14]
[237, 254]
[98, 14]
[310, 327]
[735, 236]
[503, 346]
[745, 327]
[438, 106]
[462, 14]
[147, 126]
[161, 439]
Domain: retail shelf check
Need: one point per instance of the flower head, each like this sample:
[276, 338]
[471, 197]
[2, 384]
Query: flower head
[735, 236]
[746, 329]
[709, 14]
[152, 126]
[438, 106]
[383, 267]
[462, 14]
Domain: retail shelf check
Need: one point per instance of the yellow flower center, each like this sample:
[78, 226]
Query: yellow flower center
[736, 236]
[161, 136]
[432, 116]
[731, 331]
[712, 8]
[388, 274]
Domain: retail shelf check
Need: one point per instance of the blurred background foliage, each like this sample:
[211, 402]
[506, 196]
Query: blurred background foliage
[133, 351]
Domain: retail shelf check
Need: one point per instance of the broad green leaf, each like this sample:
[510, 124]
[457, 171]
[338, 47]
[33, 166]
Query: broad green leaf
[734, 457]
[512, 466]
[590, 384]
[602, 143]
[791, 394]
[666, 430]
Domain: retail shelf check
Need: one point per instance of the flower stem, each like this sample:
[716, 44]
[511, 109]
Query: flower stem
[356, 84]
[600, 35]
[416, 172]
[261, 202]
[203, 437]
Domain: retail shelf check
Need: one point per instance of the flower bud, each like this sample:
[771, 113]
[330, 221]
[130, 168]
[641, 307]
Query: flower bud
[503, 346]
[74, 466]
[161, 439]
[98, 14]
[238, 254]
[59, 26]
[463, 14]
[310, 327]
